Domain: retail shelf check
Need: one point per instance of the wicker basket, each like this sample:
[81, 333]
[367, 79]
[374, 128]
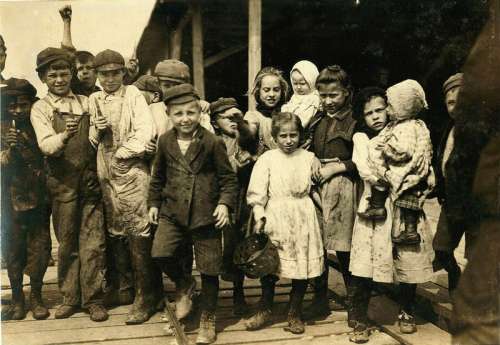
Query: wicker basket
[257, 256]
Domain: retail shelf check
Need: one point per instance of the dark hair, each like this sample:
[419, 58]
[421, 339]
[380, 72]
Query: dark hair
[258, 83]
[279, 119]
[56, 65]
[362, 97]
[334, 74]
[83, 56]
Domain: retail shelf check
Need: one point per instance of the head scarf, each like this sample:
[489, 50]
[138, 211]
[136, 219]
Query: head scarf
[407, 99]
[308, 70]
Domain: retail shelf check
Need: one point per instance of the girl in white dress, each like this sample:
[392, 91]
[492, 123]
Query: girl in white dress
[279, 192]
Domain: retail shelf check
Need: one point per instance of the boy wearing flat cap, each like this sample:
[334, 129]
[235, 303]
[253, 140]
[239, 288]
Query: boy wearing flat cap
[226, 119]
[149, 87]
[61, 123]
[25, 220]
[192, 189]
[121, 126]
[446, 240]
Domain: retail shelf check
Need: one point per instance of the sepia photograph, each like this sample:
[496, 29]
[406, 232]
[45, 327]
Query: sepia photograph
[250, 172]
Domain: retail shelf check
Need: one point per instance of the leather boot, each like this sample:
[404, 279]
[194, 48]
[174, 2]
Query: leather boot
[16, 310]
[376, 208]
[206, 334]
[122, 291]
[320, 305]
[37, 306]
[263, 316]
[143, 307]
[410, 235]
[295, 323]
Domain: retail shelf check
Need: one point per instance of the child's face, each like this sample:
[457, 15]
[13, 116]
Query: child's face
[151, 97]
[299, 84]
[333, 97]
[166, 84]
[111, 80]
[19, 107]
[288, 138]
[270, 91]
[185, 117]
[375, 113]
[451, 101]
[58, 81]
[226, 121]
[86, 73]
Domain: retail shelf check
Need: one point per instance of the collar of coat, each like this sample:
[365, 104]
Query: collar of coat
[342, 125]
[194, 150]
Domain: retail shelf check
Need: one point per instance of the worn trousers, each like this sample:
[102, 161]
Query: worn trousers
[79, 229]
[27, 243]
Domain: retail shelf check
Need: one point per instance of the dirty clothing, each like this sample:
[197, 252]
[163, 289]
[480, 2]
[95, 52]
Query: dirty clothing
[263, 126]
[332, 139]
[77, 209]
[372, 247]
[25, 220]
[279, 192]
[124, 181]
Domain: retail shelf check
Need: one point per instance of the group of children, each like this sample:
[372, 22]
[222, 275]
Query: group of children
[140, 177]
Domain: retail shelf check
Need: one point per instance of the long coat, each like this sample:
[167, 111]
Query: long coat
[187, 188]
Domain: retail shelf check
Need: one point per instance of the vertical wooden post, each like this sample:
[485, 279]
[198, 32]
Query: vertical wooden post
[254, 45]
[197, 33]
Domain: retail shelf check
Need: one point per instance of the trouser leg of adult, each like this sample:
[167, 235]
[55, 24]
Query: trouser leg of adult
[120, 271]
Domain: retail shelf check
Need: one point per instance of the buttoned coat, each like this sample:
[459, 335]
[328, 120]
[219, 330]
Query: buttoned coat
[187, 188]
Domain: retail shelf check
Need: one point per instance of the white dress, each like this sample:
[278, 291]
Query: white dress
[372, 248]
[279, 190]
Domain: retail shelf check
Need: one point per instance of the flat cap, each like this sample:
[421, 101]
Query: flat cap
[222, 104]
[49, 55]
[452, 82]
[147, 83]
[173, 70]
[180, 94]
[18, 87]
[109, 60]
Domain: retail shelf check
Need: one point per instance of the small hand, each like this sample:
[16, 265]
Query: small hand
[12, 137]
[221, 215]
[328, 171]
[259, 225]
[71, 128]
[153, 215]
[151, 146]
[316, 170]
[66, 12]
[101, 123]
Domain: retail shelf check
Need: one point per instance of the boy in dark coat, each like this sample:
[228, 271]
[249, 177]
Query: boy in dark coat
[24, 208]
[193, 187]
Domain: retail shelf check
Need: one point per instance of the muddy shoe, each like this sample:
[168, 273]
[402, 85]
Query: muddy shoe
[206, 334]
[184, 299]
[98, 313]
[259, 320]
[406, 323]
[407, 238]
[39, 310]
[64, 311]
[374, 213]
[295, 325]
[361, 334]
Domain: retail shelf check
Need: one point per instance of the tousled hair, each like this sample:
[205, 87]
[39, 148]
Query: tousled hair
[279, 119]
[266, 71]
[364, 96]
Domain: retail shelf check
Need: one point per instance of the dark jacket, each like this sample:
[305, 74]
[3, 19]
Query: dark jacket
[187, 188]
[439, 190]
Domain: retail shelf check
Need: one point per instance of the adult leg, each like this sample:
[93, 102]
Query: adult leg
[406, 305]
[120, 272]
[38, 256]
[66, 217]
[92, 242]
[294, 317]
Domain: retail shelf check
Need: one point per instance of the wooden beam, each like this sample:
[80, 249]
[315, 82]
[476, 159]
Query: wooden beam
[254, 45]
[197, 33]
[176, 36]
[212, 60]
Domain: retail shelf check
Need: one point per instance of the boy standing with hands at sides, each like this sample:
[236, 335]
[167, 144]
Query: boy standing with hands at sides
[123, 125]
[61, 123]
[192, 190]
[25, 221]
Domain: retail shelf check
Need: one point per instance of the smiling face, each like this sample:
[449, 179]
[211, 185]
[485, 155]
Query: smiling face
[333, 97]
[270, 91]
[185, 118]
[375, 113]
[299, 84]
[288, 137]
[226, 121]
[19, 107]
[111, 80]
[57, 77]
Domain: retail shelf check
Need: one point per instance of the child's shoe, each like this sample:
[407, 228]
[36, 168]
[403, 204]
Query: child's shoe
[408, 237]
[37, 306]
[361, 334]
[260, 319]
[206, 334]
[406, 323]
[295, 324]
[376, 208]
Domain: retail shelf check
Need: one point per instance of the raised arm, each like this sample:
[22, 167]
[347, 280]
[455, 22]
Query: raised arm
[66, 14]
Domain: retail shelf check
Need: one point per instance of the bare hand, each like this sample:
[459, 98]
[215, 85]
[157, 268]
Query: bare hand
[244, 158]
[221, 215]
[315, 170]
[12, 137]
[205, 107]
[153, 215]
[101, 123]
[151, 146]
[71, 128]
[259, 225]
[66, 12]
[328, 171]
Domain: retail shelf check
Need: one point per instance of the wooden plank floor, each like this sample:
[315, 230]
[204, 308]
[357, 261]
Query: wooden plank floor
[333, 330]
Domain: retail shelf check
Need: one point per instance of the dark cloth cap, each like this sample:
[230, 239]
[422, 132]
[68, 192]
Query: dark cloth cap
[51, 54]
[222, 104]
[452, 82]
[18, 87]
[109, 60]
[147, 83]
[180, 94]
[173, 70]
